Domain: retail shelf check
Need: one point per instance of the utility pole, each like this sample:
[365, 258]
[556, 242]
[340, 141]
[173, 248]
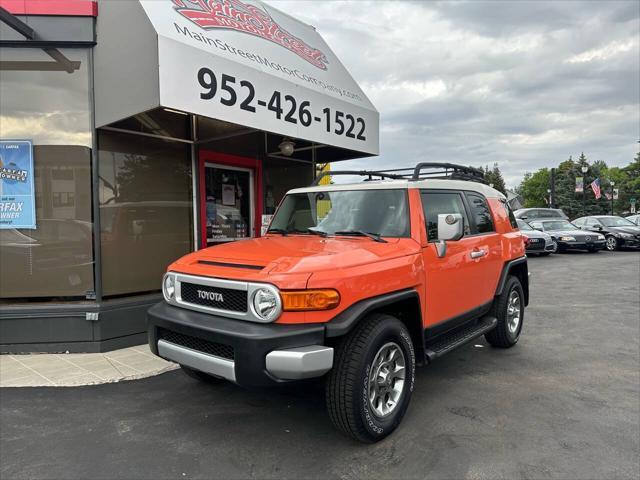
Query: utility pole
[552, 193]
[584, 169]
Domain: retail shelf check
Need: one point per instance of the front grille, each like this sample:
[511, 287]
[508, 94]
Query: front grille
[214, 297]
[536, 244]
[198, 344]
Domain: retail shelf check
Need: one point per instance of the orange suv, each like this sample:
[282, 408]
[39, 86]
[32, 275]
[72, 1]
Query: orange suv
[358, 283]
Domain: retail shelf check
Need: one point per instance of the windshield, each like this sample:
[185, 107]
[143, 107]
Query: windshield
[381, 212]
[560, 225]
[616, 222]
[524, 225]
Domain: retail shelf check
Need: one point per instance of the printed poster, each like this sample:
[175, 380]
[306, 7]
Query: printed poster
[579, 184]
[17, 194]
[228, 194]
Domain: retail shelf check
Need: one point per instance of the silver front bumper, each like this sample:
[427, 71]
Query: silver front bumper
[302, 362]
[220, 367]
[290, 364]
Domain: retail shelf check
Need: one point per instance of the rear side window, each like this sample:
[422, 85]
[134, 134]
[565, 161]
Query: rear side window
[512, 217]
[480, 213]
[436, 203]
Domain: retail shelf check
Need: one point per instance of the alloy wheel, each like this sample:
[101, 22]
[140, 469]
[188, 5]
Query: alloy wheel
[612, 243]
[386, 379]
[513, 312]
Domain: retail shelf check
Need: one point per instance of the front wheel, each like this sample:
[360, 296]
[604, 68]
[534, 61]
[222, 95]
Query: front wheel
[508, 308]
[612, 243]
[369, 388]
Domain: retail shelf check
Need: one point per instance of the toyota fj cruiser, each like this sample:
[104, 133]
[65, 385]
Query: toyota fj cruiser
[358, 283]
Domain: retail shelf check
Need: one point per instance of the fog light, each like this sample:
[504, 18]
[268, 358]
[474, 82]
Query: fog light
[169, 286]
[267, 304]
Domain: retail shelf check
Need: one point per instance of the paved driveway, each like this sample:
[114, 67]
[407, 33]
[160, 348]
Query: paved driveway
[564, 403]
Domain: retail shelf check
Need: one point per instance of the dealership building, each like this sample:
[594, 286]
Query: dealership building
[133, 132]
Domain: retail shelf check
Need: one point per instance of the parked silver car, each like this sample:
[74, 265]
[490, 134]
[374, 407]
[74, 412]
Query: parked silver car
[540, 243]
[529, 214]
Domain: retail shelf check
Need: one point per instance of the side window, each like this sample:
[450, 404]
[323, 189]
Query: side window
[481, 213]
[436, 203]
[512, 218]
[531, 214]
[592, 222]
[579, 222]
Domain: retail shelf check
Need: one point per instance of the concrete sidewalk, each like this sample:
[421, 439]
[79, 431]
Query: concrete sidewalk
[74, 369]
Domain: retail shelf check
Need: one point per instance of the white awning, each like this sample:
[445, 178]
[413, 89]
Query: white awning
[243, 62]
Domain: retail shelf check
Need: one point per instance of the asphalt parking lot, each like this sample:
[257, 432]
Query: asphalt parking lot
[563, 403]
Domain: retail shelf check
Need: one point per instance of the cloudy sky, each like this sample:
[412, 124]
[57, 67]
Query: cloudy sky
[524, 84]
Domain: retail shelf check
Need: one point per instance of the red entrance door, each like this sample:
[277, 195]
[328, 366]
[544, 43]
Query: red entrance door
[230, 197]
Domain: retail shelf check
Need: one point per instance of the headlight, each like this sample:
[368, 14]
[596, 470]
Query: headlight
[600, 237]
[267, 304]
[169, 286]
[568, 239]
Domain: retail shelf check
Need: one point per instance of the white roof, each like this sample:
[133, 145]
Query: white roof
[441, 184]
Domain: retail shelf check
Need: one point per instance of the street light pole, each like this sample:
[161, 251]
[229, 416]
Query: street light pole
[612, 185]
[584, 169]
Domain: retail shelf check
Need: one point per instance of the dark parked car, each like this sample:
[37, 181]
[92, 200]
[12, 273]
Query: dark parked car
[530, 214]
[618, 231]
[635, 219]
[539, 243]
[570, 237]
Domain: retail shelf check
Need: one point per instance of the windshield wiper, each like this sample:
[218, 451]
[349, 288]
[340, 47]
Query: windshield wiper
[373, 236]
[278, 230]
[309, 231]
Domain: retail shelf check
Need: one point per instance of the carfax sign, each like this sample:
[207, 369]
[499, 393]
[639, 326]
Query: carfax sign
[17, 196]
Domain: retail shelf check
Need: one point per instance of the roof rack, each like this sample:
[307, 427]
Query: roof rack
[422, 171]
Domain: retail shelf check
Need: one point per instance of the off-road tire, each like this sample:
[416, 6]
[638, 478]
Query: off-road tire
[612, 243]
[501, 336]
[347, 384]
[201, 376]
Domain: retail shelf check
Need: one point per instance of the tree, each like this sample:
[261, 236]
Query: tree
[494, 177]
[533, 188]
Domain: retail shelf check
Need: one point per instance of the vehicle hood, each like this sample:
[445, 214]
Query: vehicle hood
[631, 230]
[295, 254]
[577, 234]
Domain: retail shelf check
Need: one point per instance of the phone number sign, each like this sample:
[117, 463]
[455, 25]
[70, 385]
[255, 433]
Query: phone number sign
[232, 92]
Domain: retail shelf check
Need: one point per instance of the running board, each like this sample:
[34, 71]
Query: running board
[449, 341]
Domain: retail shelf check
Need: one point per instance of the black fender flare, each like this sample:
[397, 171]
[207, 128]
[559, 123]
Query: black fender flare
[342, 323]
[519, 264]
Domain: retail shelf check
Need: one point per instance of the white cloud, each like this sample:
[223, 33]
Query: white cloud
[524, 84]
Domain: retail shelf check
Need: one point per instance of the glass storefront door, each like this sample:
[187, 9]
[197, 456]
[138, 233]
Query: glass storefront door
[228, 203]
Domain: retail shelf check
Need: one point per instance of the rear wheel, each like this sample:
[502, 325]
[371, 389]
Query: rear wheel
[612, 243]
[508, 308]
[201, 376]
[369, 388]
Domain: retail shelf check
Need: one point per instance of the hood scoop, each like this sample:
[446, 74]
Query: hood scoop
[231, 265]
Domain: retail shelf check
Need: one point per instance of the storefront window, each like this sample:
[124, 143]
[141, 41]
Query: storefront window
[41, 101]
[280, 176]
[146, 210]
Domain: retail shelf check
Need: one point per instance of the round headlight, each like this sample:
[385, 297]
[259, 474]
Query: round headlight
[169, 286]
[267, 304]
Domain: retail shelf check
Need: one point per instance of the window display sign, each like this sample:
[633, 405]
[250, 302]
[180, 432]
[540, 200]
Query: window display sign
[17, 196]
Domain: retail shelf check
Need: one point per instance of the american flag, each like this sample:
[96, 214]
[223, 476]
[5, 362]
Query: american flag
[595, 186]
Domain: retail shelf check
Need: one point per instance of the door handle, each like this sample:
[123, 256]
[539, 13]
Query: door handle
[478, 253]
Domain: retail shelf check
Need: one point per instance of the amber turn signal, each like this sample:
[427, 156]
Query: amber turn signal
[304, 300]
